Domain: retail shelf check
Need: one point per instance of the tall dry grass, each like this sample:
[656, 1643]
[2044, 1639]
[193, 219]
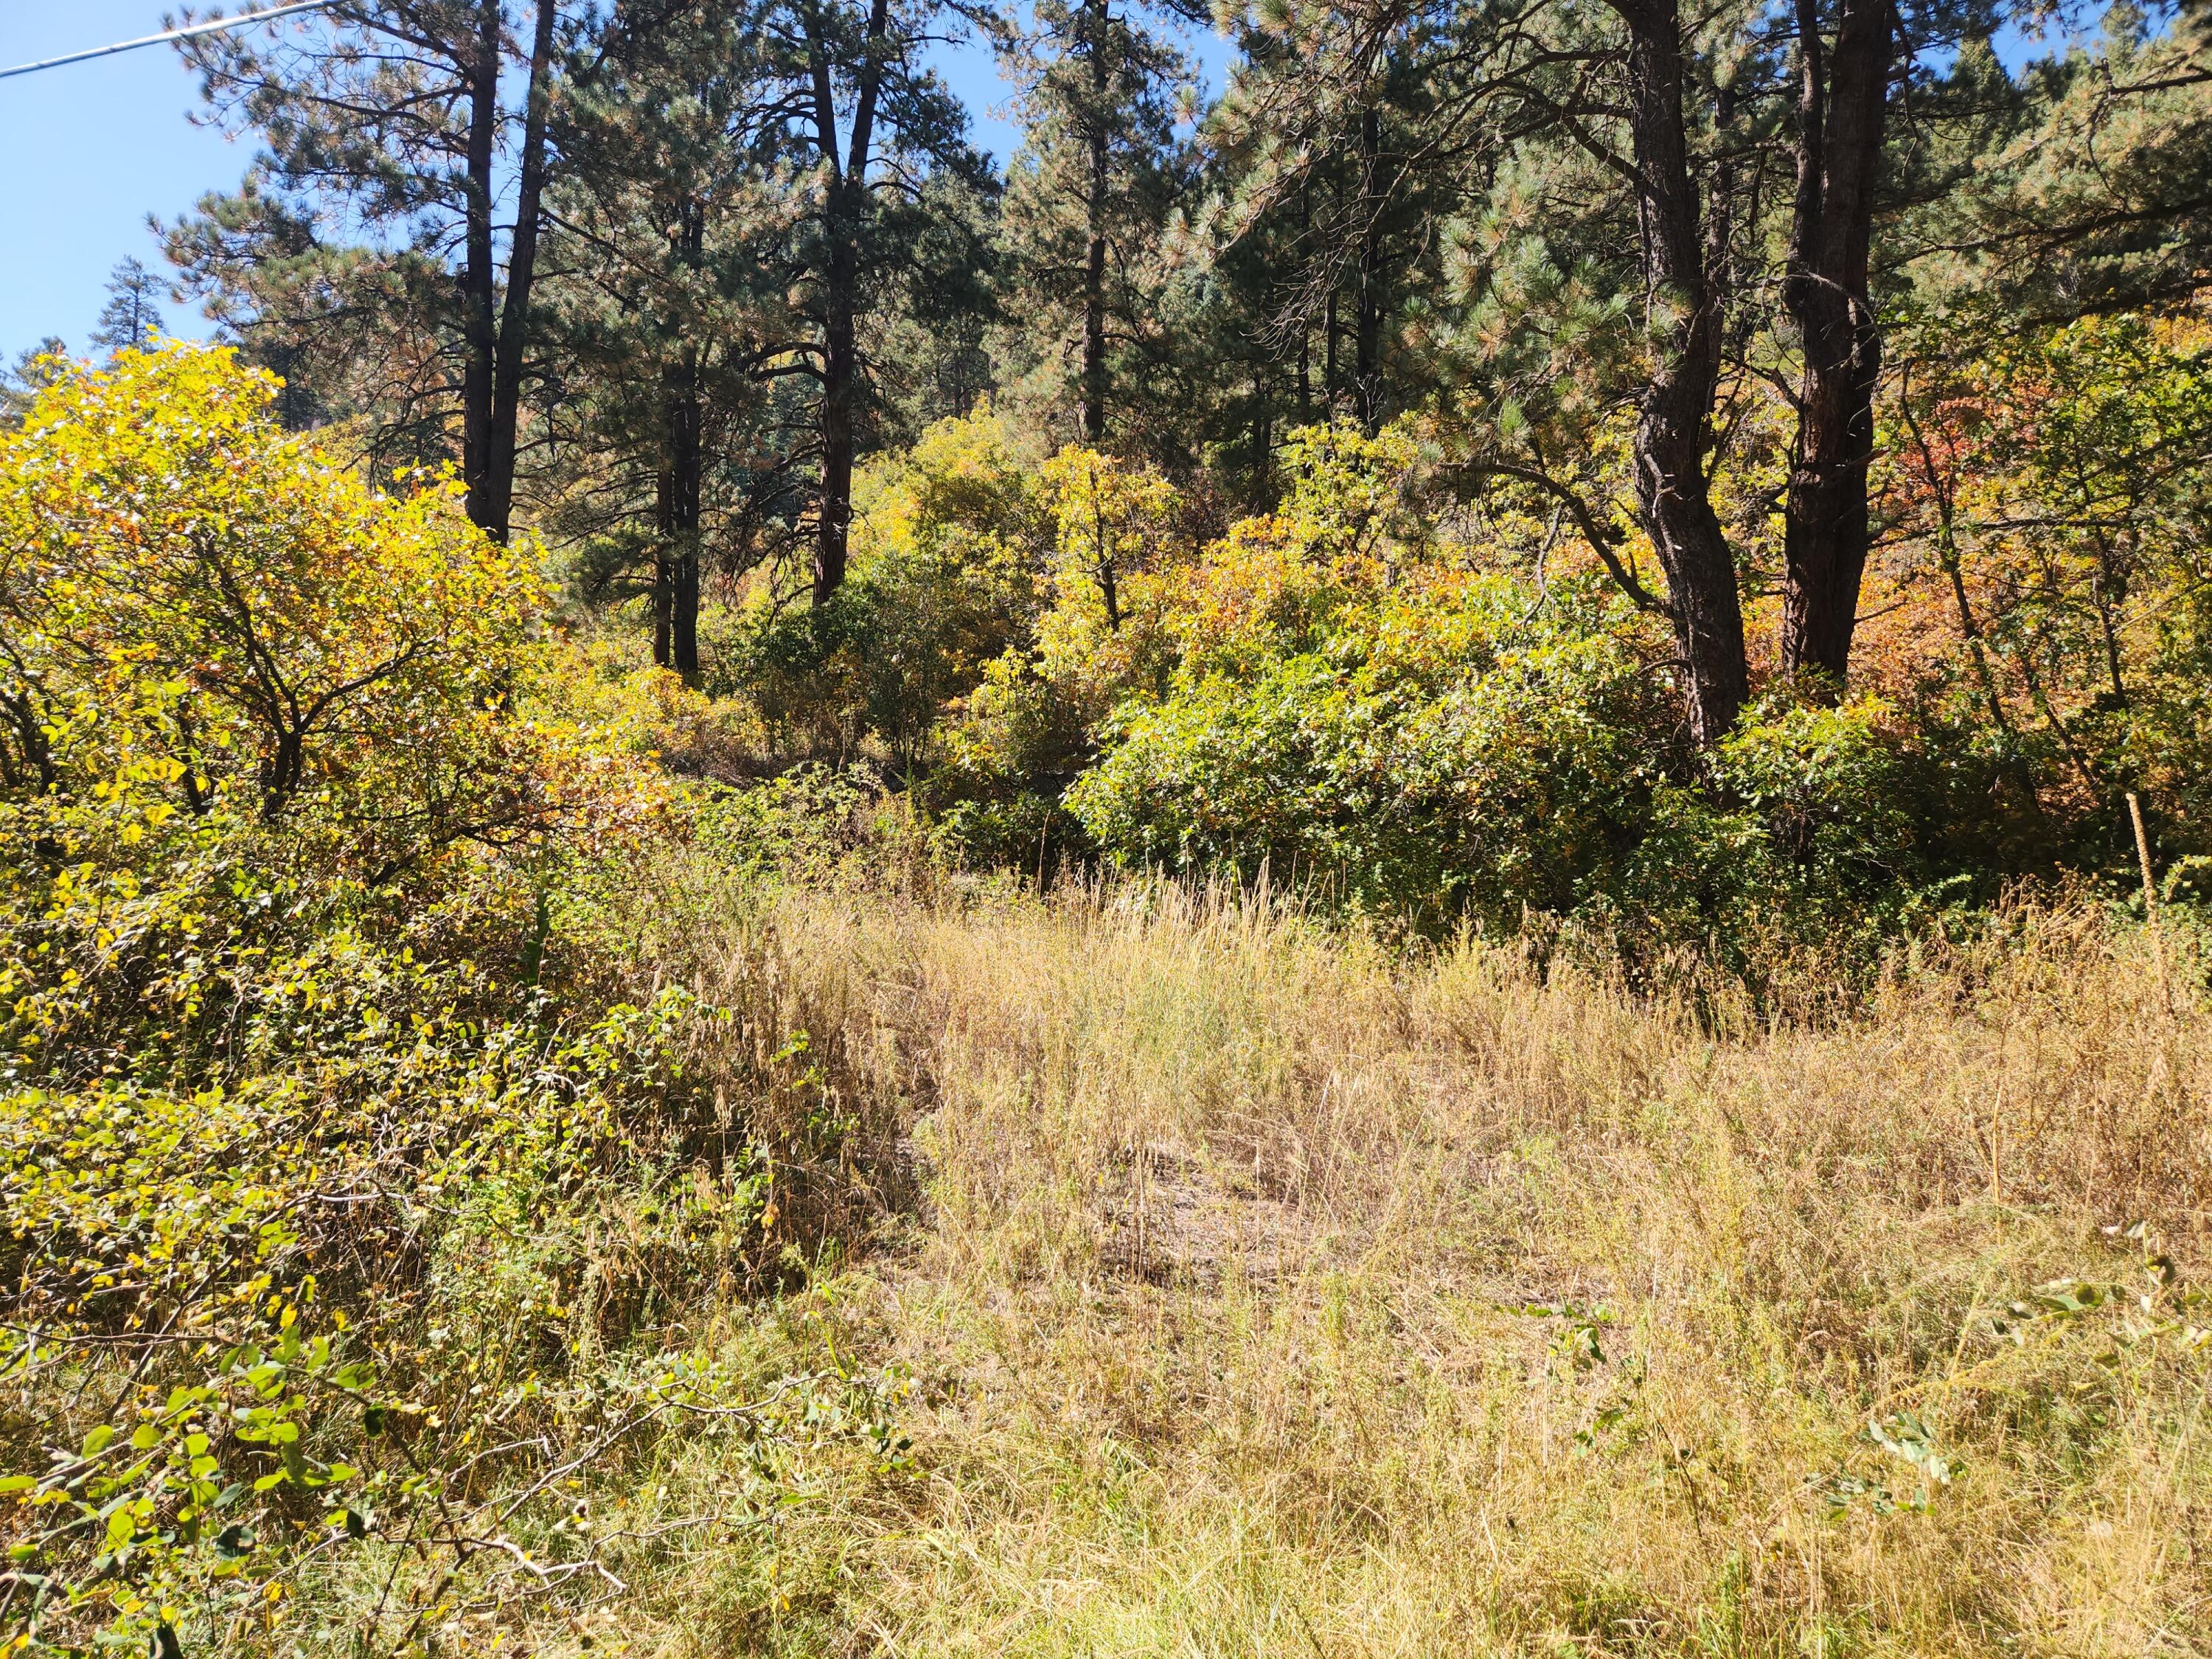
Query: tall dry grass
[1270, 1291]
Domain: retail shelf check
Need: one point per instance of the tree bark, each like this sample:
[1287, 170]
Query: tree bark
[847, 210]
[684, 467]
[1330, 384]
[664, 559]
[505, 411]
[1367, 345]
[840, 375]
[1305, 318]
[1328, 333]
[479, 280]
[1673, 424]
[676, 557]
[1828, 520]
[1102, 560]
[1094, 269]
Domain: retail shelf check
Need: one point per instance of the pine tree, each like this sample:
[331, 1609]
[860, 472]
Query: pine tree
[674, 434]
[1088, 207]
[132, 319]
[881, 146]
[1640, 213]
[415, 120]
[34, 370]
[712, 281]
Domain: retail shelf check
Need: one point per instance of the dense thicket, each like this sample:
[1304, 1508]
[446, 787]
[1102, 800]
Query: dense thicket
[296, 791]
[1427, 774]
[1713, 337]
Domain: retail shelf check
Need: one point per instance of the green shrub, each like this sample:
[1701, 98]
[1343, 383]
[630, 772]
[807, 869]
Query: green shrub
[312, 1123]
[1440, 746]
[948, 541]
[1440, 753]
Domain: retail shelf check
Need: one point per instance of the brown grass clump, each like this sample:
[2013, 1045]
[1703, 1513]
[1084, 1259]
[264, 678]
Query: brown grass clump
[1272, 1292]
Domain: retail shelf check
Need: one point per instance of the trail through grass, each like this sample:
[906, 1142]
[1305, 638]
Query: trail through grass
[1269, 1292]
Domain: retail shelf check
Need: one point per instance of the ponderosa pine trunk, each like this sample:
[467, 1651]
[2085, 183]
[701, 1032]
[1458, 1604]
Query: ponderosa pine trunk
[1367, 339]
[1827, 527]
[679, 487]
[1305, 318]
[664, 559]
[677, 495]
[846, 213]
[840, 392]
[496, 337]
[1095, 25]
[1328, 333]
[683, 472]
[479, 278]
[1673, 424]
[513, 345]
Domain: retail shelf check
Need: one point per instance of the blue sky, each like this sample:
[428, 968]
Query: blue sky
[92, 149]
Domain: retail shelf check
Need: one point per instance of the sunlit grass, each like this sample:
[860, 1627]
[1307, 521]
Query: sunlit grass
[1272, 1292]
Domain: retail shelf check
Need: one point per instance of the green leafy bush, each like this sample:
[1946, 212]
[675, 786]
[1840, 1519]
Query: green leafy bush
[1430, 742]
[948, 541]
[1432, 750]
[348, 1212]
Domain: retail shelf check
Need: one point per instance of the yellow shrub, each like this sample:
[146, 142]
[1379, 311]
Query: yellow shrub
[237, 681]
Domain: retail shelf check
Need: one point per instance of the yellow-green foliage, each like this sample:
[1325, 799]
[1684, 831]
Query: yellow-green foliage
[1097, 633]
[2059, 477]
[964, 499]
[1354, 702]
[448, 1204]
[308, 1144]
[237, 682]
[949, 543]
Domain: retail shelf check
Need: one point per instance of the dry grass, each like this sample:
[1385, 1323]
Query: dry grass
[1274, 1294]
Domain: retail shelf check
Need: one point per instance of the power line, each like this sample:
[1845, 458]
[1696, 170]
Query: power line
[214, 28]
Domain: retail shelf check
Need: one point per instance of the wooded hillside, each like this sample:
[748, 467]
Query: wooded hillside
[1403, 854]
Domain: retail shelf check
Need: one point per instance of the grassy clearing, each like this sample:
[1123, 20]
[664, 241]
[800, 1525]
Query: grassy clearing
[1269, 1293]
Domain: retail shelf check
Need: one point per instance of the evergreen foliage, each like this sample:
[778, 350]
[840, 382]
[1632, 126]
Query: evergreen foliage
[1377, 869]
[132, 319]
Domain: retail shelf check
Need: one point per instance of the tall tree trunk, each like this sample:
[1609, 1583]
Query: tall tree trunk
[676, 561]
[506, 413]
[664, 553]
[1367, 390]
[840, 393]
[1673, 425]
[1101, 558]
[683, 458]
[1328, 333]
[1305, 316]
[1827, 522]
[1095, 203]
[1330, 384]
[847, 210]
[479, 280]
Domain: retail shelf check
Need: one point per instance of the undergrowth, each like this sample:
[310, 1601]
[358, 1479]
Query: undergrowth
[1273, 1290]
[464, 1191]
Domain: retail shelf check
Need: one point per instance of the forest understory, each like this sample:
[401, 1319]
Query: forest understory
[1406, 851]
[497, 1158]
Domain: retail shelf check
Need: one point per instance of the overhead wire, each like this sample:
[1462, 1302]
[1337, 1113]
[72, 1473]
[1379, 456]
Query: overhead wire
[214, 25]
